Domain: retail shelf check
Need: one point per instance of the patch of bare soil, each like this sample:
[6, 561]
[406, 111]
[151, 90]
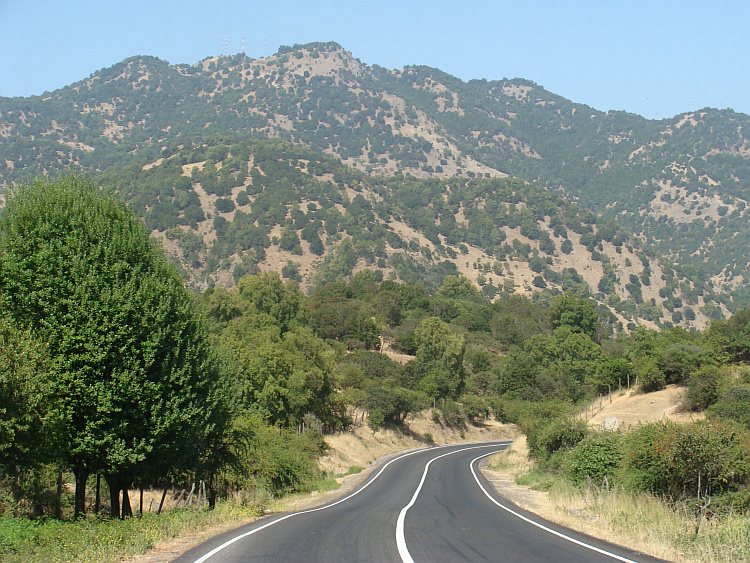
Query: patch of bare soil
[171, 549]
[362, 446]
[632, 407]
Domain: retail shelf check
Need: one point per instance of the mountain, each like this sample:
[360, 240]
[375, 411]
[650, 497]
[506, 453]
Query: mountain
[680, 184]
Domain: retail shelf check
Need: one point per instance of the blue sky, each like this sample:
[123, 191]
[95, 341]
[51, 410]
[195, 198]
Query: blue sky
[655, 58]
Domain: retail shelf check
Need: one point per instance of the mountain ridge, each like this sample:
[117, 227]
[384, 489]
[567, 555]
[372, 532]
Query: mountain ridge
[680, 184]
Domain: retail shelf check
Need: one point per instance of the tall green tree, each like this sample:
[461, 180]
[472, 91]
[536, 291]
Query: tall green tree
[134, 370]
[440, 355]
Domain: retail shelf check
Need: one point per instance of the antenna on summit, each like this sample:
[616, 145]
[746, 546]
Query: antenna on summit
[243, 44]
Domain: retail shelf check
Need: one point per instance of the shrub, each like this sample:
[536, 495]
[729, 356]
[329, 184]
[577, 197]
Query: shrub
[679, 360]
[556, 436]
[224, 205]
[453, 414]
[650, 376]
[527, 414]
[475, 408]
[376, 419]
[392, 402]
[645, 463]
[703, 387]
[733, 404]
[597, 456]
[270, 457]
[684, 461]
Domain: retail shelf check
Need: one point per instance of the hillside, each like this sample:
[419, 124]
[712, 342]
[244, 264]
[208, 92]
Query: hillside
[680, 184]
[228, 208]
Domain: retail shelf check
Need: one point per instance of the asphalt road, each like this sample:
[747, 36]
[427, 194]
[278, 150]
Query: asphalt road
[431, 506]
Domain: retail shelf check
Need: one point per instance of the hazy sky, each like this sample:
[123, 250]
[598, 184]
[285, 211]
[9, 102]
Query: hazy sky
[655, 58]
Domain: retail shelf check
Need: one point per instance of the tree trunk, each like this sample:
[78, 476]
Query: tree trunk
[140, 506]
[211, 492]
[82, 476]
[58, 498]
[127, 512]
[98, 497]
[163, 496]
[114, 496]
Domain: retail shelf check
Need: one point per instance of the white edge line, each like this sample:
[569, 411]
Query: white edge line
[226, 544]
[538, 525]
[403, 550]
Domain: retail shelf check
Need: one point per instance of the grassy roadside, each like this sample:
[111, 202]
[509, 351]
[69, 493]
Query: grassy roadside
[95, 540]
[637, 520]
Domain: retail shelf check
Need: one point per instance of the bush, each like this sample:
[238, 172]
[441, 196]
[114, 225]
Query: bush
[597, 456]
[703, 387]
[475, 408]
[376, 420]
[650, 377]
[224, 205]
[556, 436]
[453, 414]
[393, 403]
[679, 360]
[733, 404]
[645, 464]
[271, 458]
[527, 414]
[688, 460]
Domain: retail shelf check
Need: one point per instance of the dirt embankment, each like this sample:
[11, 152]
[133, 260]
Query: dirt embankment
[631, 407]
[363, 446]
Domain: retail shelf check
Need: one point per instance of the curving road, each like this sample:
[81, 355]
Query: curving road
[429, 505]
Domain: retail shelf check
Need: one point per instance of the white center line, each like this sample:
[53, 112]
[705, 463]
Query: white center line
[403, 551]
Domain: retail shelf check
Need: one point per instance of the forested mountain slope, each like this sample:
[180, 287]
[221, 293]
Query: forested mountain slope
[226, 208]
[681, 184]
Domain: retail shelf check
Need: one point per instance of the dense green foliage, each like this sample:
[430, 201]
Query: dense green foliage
[133, 373]
[27, 415]
[107, 368]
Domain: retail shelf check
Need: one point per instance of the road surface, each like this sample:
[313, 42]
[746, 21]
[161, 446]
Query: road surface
[430, 506]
